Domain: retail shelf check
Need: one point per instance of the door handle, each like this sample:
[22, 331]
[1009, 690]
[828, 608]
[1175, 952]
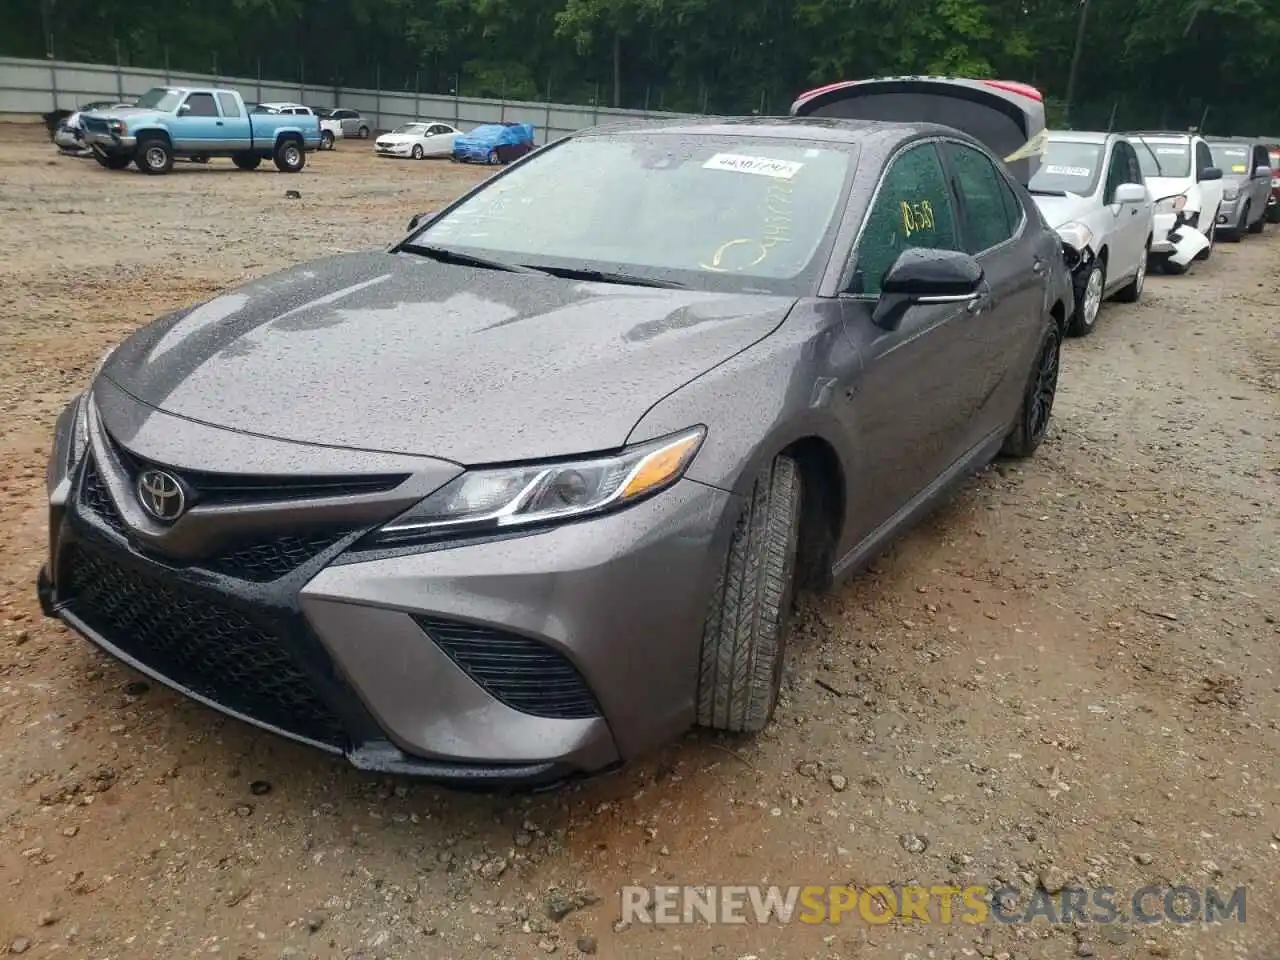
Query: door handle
[1038, 266]
[219, 122]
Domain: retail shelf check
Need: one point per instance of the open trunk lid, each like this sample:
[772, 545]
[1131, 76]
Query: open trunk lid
[1006, 116]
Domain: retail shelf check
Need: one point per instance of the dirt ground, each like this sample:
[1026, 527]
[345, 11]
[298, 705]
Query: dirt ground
[1067, 676]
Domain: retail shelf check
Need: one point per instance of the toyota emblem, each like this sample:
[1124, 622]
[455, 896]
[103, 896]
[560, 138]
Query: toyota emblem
[161, 495]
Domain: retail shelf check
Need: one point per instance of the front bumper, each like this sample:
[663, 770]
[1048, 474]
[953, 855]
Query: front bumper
[110, 143]
[1229, 213]
[524, 659]
[393, 150]
[1162, 224]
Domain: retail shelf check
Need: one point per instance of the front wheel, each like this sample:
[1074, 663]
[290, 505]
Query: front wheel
[1037, 402]
[326, 140]
[154, 156]
[289, 157]
[745, 637]
[1089, 290]
[494, 159]
[1259, 224]
[1212, 237]
[417, 151]
[363, 133]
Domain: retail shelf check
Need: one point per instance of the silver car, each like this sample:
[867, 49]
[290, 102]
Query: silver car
[1090, 188]
[353, 124]
[1246, 185]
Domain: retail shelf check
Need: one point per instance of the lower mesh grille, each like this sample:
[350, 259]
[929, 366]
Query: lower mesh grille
[240, 663]
[522, 673]
[94, 497]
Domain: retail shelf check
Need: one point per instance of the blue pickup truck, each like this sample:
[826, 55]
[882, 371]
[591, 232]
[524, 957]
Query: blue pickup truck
[170, 122]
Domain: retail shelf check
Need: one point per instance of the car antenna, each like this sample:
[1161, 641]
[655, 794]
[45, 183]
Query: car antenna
[1111, 124]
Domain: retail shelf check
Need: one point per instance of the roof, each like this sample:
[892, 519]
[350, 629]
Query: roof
[830, 129]
[1082, 136]
[1161, 134]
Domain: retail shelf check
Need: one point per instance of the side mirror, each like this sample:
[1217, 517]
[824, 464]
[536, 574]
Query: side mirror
[921, 276]
[418, 219]
[1210, 173]
[1131, 193]
[1262, 173]
[184, 109]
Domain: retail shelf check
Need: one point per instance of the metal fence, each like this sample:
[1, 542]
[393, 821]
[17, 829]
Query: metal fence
[29, 87]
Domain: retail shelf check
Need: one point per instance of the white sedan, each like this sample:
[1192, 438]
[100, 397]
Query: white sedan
[417, 140]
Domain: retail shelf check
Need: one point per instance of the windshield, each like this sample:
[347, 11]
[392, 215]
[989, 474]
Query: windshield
[1068, 167]
[410, 128]
[488, 130]
[1163, 159]
[1230, 158]
[716, 213]
[158, 98]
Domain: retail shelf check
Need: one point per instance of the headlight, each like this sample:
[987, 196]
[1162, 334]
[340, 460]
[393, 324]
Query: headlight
[1076, 234]
[118, 127]
[1171, 204]
[80, 420]
[1230, 191]
[499, 499]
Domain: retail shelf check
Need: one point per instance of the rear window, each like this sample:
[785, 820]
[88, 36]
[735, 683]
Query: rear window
[1230, 157]
[1165, 158]
[1069, 167]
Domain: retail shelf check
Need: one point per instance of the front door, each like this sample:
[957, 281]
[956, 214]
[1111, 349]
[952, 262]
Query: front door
[199, 125]
[909, 411]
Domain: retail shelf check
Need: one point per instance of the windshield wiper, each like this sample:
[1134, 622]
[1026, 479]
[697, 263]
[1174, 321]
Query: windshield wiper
[607, 276]
[445, 255]
[1036, 191]
[1154, 159]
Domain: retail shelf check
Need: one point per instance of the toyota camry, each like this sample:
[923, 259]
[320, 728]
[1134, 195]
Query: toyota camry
[532, 490]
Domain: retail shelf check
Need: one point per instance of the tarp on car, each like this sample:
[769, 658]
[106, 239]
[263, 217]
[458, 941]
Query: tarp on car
[1006, 116]
[496, 135]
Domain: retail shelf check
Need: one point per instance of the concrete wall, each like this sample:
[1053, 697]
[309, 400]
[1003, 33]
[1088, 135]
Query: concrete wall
[30, 87]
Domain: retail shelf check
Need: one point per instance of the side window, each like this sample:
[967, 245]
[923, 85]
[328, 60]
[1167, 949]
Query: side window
[1260, 159]
[228, 104]
[434, 130]
[1134, 174]
[984, 211]
[201, 105]
[1117, 170]
[912, 209]
[1012, 205]
[1204, 159]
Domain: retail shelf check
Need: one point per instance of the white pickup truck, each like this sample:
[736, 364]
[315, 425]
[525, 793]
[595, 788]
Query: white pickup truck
[330, 130]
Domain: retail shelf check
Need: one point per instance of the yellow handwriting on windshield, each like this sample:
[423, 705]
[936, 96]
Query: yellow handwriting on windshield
[747, 252]
[917, 216]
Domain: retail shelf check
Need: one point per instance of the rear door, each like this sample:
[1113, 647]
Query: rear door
[912, 407]
[995, 226]
[1261, 185]
[1127, 238]
[236, 132]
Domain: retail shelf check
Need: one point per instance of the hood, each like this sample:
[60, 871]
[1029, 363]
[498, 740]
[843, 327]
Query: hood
[396, 353]
[1061, 210]
[1163, 187]
[395, 137]
[121, 113]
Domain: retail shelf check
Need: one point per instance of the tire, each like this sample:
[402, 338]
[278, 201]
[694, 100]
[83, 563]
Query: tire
[1256, 228]
[493, 158]
[1036, 409]
[1132, 291]
[1236, 233]
[363, 133]
[745, 637]
[1089, 294]
[326, 140]
[154, 155]
[417, 151]
[1273, 213]
[112, 161]
[289, 156]
[247, 161]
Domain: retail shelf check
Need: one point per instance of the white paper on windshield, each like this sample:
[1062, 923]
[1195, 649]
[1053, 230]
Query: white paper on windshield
[761, 166]
[1068, 171]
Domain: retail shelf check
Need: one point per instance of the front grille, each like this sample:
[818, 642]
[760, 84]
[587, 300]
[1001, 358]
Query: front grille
[522, 673]
[95, 497]
[207, 487]
[257, 562]
[272, 559]
[94, 125]
[239, 662]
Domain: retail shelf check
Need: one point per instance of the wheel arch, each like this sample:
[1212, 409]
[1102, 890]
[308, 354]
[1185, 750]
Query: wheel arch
[822, 508]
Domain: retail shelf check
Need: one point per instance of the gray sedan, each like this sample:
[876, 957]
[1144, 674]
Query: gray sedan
[533, 490]
[1246, 185]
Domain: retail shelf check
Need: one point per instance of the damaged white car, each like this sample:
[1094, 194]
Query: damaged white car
[1090, 188]
[1187, 188]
